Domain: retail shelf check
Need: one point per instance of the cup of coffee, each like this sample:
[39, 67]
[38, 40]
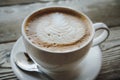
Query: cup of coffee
[58, 38]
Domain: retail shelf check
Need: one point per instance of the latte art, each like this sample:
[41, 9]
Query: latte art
[56, 29]
[59, 29]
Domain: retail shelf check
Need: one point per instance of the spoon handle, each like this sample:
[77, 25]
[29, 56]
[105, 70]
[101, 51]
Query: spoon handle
[46, 76]
[36, 68]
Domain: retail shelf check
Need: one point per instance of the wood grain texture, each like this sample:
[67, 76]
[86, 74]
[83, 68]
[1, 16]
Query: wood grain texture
[6, 72]
[97, 10]
[14, 2]
[5, 49]
[11, 17]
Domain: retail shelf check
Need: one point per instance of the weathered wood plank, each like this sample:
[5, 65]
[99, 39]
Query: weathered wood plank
[98, 10]
[13, 2]
[5, 49]
[6, 72]
[11, 17]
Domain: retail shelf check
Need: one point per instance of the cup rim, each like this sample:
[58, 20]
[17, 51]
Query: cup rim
[79, 12]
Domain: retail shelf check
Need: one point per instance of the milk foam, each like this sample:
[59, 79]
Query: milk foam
[56, 29]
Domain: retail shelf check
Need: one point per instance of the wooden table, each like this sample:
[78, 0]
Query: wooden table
[12, 13]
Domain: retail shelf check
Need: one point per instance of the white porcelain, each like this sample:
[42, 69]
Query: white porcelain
[53, 62]
[89, 67]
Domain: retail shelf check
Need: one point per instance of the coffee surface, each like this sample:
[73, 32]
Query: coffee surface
[57, 31]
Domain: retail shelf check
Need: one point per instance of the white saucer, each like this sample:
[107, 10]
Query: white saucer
[89, 67]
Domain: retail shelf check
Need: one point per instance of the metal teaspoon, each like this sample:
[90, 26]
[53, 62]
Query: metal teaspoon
[23, 61]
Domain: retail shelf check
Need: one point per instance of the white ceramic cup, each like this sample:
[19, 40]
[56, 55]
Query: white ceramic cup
[54, 62]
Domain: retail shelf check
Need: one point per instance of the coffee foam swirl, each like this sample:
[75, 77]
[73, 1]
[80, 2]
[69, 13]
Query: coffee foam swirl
[57, 28]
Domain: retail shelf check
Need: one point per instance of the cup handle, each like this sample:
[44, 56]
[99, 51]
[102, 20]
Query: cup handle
[102, 35]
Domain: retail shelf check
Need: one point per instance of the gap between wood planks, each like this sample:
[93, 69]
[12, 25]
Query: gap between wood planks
[8, 41]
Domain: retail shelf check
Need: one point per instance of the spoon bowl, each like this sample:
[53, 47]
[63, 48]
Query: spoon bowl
[24, 62]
